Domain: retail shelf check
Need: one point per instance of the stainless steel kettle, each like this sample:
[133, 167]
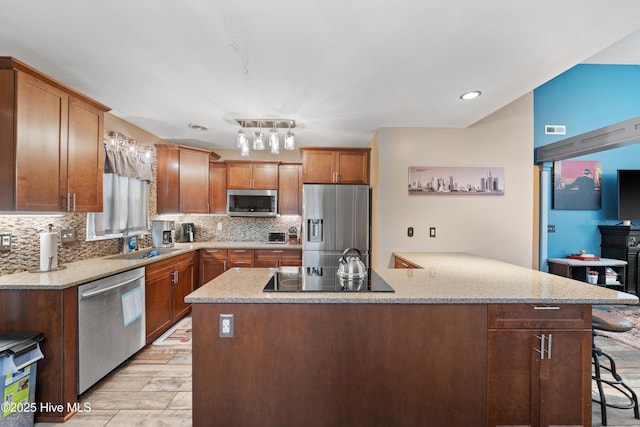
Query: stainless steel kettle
[351, 266]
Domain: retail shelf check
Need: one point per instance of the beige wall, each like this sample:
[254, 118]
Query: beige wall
[497, 227]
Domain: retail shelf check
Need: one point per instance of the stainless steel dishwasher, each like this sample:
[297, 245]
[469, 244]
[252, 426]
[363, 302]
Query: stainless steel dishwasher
[111, 325]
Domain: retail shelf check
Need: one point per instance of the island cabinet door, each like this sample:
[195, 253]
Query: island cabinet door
[527, 390]
[539, 377]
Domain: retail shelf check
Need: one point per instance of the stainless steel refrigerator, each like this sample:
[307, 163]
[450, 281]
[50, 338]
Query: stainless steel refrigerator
[334, 218]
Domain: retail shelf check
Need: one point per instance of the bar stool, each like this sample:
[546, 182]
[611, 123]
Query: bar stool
[606, 321]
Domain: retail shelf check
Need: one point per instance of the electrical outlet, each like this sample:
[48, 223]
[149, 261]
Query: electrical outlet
[432, 232]
[219, 226]
[68, 235]
[5, 242]
[226, 325]
[551, 228]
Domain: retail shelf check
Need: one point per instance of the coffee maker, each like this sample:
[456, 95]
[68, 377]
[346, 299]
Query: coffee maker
[185, 232]
[162, 233]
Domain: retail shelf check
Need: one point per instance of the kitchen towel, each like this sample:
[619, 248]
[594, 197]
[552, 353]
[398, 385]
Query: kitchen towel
[48, 251]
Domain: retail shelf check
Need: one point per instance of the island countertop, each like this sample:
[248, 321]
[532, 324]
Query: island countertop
[445, 278]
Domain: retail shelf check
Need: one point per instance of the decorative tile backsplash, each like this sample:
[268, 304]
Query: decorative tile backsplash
[26, 229]
[25, 241]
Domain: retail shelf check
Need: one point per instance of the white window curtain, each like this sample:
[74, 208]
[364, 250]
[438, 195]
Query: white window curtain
[127, 173]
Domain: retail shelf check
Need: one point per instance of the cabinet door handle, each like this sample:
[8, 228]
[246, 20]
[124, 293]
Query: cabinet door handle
[239, 251]
[546, 307]
[74, 202]
[546, 342]
[277, 252]
[405, 265]
[68, 202]
[542, 345]
[224, 265]
[175, 276]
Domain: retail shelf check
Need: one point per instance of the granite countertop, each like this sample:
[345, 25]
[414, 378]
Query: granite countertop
[445, 278]
[80, 272]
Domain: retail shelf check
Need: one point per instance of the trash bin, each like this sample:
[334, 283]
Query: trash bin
[19, 354]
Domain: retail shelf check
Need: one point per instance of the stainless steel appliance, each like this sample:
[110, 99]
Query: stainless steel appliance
[252, 203]
[162, 233]
[185, 232]
[323, 279]
[111, 324]
[334, 218]
[276, 237]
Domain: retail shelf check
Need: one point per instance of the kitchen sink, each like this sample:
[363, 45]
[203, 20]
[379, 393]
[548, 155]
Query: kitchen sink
[145, 253]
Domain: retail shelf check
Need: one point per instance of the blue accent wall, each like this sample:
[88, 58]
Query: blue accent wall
[584, 98]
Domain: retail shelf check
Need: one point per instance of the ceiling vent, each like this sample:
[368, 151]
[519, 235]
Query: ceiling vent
[555, 129]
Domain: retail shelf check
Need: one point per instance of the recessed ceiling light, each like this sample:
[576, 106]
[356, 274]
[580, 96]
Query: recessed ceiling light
[470, 95]
[200, 128]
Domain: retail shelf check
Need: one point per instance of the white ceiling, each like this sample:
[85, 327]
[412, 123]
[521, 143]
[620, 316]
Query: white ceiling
[340, 69]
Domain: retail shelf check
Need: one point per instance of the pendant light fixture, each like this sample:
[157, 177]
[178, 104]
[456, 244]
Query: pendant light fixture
[274, 141]
[258, 141]
[244, 150]
[242, 138]
[289, 139]
[259, 138]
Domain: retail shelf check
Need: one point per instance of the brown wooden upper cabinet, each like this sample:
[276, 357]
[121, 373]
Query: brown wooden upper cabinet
[290, 189]
[183, 179]
[51, 142]
[249, 175]
[217, 187]
[335, 165]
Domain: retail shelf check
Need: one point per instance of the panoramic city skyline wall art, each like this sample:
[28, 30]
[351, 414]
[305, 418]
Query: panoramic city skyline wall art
[450, 180]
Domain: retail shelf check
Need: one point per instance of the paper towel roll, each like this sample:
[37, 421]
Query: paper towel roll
[48, 251]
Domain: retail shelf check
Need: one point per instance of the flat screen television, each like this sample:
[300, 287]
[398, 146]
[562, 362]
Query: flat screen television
[628, 195]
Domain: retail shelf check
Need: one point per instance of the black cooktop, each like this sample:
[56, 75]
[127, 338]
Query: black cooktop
[322, 279]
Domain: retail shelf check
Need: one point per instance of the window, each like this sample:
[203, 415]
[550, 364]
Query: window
[127, 173]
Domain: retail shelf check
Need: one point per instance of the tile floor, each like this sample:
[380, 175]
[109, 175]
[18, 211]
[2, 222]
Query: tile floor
[154, 389]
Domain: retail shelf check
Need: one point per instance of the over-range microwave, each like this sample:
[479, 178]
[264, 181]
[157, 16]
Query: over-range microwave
[252, 203]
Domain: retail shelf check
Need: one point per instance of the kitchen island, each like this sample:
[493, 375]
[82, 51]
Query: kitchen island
[463, 341]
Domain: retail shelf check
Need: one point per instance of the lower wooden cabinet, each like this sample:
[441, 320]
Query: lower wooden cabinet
[277, 258]
[535, 355]
[213, 262]
[400, 263]
[167, 282]
[54, 315]
[240, 258]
